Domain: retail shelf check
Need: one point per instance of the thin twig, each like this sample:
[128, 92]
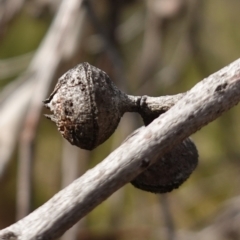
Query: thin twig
[13, 104]
[167, 216]
[108, 45]
[151, 54]
[159, 13]
[170, 73]
[225, 225]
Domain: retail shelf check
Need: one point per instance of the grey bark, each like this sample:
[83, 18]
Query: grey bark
[206, 101]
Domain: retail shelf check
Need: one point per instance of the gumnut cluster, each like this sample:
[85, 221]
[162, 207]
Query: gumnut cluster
[86, 107]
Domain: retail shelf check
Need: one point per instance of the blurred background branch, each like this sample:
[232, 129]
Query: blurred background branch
[8, 10]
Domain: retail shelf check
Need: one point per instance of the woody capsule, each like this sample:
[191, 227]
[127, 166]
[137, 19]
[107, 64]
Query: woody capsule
[86, 106]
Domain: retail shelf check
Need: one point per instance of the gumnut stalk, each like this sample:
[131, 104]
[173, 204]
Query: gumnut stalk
[87, 107]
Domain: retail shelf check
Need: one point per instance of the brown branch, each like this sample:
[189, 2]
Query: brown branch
[202, 104]
[108, 44]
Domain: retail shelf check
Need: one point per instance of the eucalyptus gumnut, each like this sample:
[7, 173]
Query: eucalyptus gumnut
[175, 167]
[169, 171]
[86, 106]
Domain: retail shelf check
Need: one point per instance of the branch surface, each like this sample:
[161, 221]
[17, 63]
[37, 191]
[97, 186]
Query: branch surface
[206, 101]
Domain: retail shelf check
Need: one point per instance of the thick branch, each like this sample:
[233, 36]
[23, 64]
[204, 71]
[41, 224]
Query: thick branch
[202, 104]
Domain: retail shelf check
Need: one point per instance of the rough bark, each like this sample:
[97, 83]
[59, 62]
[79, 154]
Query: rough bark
[206, 101]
